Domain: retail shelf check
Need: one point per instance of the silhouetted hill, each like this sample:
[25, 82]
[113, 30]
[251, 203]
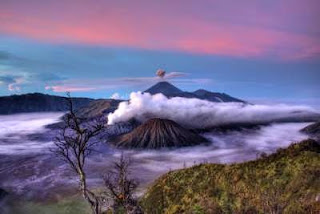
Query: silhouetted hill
[313, 130]
[159, 133]
[284, 182]
[37, 102]
[170, 90]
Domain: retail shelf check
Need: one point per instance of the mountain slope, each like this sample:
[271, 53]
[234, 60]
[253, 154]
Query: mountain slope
[98, 108]
[170, 90]
[313, 130]
[284, 182]
[215, 97]
[165, 88]
[159, 133]
[37, 102]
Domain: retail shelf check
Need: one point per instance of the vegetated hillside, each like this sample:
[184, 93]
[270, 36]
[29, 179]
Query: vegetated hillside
[159, 133]
[98, 108]
[284, 182]
[37, 102]
[170, 90]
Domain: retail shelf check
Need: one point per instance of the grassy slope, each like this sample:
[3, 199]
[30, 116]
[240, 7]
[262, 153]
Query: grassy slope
[287, 181]
[70, 205]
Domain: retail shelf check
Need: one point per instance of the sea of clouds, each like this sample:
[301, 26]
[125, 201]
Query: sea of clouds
[28, 166]
[15, 129]
[196, 113]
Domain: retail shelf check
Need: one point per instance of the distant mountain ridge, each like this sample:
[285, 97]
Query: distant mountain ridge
[87, 107]
[312, 130]
[37, 102]
[170, 90]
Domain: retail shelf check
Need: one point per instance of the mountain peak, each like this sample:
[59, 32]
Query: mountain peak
[163, 87]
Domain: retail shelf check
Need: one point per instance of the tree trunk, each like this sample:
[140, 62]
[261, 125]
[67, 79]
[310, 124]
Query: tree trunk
[89, 196]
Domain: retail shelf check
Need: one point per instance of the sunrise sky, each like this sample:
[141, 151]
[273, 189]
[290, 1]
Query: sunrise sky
[255, 50]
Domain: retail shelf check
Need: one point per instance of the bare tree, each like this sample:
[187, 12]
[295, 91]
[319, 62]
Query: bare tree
[121, 187]
[74, 144]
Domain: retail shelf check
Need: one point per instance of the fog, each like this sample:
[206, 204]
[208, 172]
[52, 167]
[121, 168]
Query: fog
[233, 146]
[195, 113]
[16, 132]
[29, 168]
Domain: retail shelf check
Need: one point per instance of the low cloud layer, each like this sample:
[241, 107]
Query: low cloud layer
[27, 155]
[195, 113]
[15, 129]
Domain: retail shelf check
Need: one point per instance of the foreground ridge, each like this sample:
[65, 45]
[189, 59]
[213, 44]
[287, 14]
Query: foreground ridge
[284, 182]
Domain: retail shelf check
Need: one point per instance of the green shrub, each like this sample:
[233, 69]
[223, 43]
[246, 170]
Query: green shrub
[284, 182]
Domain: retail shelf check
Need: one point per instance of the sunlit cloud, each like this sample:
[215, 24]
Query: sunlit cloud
[15, 86]
[116, 96]
[16, 81]
[241, 29]
[13, 82]
[62, 88]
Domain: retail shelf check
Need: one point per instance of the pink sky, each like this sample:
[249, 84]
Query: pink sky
[285, 30]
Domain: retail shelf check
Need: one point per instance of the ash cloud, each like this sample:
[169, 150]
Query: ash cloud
[195, 113]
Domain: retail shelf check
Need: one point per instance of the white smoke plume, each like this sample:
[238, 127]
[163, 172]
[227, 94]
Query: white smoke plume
[196, 113]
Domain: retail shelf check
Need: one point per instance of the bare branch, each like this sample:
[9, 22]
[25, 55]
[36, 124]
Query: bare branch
[74, 144]
[120, 186]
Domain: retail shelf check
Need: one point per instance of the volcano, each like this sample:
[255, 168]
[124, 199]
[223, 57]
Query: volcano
[165, 88]
[159, 133]
[170, 90]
